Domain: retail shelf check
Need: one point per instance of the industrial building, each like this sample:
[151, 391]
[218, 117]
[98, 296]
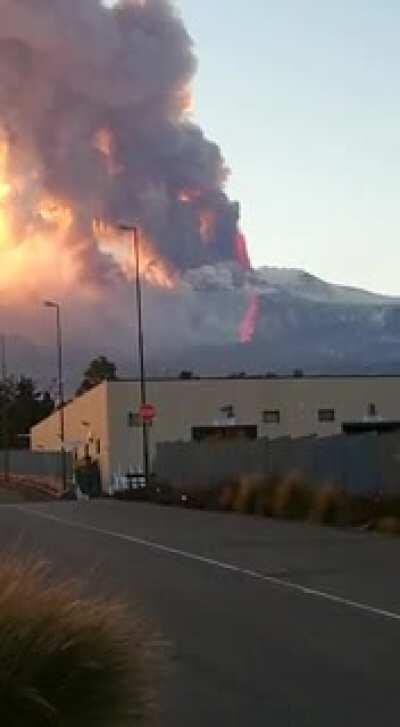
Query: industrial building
[104, 422]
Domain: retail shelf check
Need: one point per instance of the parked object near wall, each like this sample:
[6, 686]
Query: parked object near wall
[87, 478]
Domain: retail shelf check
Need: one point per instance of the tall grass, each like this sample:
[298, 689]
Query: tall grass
[245, 495]
[293, 497]
[65, 660]
[330, 506]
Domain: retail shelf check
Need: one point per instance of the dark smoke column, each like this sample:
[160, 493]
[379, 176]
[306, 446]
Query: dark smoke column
[101, 121]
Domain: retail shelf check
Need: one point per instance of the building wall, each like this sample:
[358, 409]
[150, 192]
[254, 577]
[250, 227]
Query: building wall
[86, 427]
[180, 405]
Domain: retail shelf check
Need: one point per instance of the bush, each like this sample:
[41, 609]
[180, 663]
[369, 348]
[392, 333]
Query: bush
[66, 660]
[362, 510]
[330, 506]
[246, 494]
[389, 506]
[226, 496]
[293, 497]
[266, 495]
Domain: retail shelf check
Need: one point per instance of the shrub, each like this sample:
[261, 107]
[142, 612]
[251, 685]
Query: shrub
[362, 510]
[66, 660]
[330, 506]
[227, 495]
[265, 497]
[292, 497]
[389, 506]
[246, 494]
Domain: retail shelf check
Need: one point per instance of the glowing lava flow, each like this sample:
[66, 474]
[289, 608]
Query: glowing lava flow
[241, 251]
[248, 325]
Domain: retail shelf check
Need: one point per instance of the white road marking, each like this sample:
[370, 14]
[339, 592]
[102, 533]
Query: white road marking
[282, 583]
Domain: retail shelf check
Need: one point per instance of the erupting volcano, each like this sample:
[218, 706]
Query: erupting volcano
[95, 129]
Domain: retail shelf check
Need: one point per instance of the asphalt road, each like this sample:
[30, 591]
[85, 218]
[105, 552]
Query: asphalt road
[270, 623]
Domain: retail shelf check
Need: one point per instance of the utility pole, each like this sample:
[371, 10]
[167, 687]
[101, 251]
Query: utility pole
[4, 422]
[133, 230]
[61, 400]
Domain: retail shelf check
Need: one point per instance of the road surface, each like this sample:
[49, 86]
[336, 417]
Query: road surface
[270, 623]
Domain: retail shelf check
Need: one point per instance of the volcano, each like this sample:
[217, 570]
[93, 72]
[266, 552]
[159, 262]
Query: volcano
[299, 323]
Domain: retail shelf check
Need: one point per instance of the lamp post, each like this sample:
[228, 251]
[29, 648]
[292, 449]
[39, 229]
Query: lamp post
[133, 230]
[6, 458]
[61, 402]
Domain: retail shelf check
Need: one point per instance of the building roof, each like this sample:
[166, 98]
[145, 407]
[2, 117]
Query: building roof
[254, 377]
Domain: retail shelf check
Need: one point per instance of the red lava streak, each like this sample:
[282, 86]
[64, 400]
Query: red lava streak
[248, 325]
[241, 251]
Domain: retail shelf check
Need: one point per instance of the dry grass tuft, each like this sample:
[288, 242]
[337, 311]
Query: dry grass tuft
[246, 494]
[68, 661]
[293, 497]
[227, 496]
[331, 506]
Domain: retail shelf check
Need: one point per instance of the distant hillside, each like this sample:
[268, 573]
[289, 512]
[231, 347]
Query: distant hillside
[303, 323]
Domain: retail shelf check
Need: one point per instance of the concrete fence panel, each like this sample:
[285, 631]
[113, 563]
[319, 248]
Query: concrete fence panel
[45, 466]
[362, 464]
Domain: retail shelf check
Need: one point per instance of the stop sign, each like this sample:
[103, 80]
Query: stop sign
[147, 412]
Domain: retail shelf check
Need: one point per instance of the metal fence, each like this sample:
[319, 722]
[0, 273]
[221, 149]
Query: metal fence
[362, 464]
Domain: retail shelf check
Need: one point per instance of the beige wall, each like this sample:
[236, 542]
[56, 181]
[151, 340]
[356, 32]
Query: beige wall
[181, 405]
[90, 408]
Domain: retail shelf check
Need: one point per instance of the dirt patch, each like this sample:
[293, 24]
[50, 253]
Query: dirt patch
[25, 489]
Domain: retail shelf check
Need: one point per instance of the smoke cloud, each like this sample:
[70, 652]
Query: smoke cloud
[96, 130]
[95, 108]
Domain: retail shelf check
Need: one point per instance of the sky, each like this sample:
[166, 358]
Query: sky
[303, 98]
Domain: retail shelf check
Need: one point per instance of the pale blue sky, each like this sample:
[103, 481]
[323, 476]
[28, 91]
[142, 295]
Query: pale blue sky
[302, 96]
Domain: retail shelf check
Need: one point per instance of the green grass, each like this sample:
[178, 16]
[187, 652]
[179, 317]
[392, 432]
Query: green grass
[68, 661]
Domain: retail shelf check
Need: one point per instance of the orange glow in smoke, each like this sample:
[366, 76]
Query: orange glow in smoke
[153, 269]
[33, 257]
[37, 256]
[207, 223]
[104, 143]
[186, 196]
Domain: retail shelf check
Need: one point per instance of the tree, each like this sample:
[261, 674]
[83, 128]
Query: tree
[21, 407]
[185, 375]
[100, 369]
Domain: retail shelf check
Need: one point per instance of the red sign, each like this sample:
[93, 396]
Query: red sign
[147, 412]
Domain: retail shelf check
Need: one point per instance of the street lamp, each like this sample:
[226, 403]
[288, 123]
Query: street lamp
[56, 307]
[6, 457]
[133, 230]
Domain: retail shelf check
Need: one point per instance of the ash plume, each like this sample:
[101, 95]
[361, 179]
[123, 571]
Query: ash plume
[94, 108]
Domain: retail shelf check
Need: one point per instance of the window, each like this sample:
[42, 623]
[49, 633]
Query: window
[372, 410]
[326, 415]
[271, 416]
[86, 451]
[98, 446]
